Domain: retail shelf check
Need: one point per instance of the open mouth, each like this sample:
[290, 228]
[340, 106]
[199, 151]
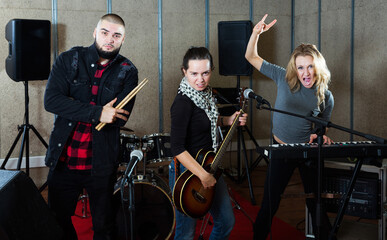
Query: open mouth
[307, 81]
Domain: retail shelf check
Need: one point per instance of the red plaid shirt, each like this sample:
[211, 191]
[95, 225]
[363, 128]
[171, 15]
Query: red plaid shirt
[78, 152]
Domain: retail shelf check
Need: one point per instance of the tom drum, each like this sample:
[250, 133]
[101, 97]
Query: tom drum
[157, 149]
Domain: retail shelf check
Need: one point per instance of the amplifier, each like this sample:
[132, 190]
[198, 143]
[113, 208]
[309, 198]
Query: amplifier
[365, 198]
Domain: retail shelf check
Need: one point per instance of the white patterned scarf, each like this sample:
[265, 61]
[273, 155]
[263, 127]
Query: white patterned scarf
[203, 100]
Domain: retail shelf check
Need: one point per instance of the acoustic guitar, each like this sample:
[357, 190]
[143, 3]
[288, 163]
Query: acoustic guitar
[189, 195]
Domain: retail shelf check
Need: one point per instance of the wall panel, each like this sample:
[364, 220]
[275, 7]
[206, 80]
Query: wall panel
[184, 26]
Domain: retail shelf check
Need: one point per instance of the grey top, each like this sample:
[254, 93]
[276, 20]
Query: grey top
[291, 129]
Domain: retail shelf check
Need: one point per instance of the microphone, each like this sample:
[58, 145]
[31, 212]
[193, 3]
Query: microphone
[135, 156]
[249, 93]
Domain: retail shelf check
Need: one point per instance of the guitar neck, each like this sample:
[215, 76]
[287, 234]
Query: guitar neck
[225, 142]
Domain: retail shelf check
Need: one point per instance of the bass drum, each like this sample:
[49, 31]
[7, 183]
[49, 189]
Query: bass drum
[154, 215]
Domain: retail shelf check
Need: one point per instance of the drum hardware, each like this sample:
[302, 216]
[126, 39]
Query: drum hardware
[149, 144]
[128, 143]
[84, 198]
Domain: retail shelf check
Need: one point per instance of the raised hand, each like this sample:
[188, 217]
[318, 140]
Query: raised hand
[261, 26]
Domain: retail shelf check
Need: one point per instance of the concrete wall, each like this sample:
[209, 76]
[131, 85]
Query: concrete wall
[184, 26]
[369, 73]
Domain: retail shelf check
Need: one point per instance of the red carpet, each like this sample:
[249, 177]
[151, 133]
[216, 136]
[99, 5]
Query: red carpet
[242, 229]
[243, 226]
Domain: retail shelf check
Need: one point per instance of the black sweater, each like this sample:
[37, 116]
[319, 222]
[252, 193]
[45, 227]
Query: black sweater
[190, 127]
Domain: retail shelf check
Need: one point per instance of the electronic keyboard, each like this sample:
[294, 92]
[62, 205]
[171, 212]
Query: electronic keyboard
[335, 150]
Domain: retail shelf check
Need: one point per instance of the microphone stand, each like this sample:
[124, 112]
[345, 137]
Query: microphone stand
[320, 126]
[240, 142]
[128, 178]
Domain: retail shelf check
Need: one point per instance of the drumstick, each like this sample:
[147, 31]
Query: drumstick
[131, 94]
[126, 100]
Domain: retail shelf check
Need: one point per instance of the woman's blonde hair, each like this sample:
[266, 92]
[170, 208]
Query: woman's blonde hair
[323, 75]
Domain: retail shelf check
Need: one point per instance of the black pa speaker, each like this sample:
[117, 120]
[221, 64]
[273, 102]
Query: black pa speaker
[23, 212]
[233, 37]
[29, 49]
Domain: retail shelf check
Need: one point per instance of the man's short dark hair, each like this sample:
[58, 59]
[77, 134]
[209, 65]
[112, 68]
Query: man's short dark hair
[113, 18]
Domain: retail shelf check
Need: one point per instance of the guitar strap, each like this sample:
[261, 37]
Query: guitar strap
[177, 167]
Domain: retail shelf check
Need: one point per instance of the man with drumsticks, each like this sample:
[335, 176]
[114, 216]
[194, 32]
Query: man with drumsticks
[84, 88]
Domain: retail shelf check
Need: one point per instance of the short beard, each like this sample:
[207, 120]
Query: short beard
[105, 54]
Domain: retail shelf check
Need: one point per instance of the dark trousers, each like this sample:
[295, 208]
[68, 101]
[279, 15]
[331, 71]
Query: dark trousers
[64, 188]
[277, 178]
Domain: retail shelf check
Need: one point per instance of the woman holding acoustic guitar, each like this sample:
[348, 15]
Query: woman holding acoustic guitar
[194, 121]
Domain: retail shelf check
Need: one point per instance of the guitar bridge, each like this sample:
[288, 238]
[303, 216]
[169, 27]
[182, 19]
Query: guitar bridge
[198, 197]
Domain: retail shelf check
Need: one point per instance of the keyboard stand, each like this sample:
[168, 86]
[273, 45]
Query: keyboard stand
[345, 200]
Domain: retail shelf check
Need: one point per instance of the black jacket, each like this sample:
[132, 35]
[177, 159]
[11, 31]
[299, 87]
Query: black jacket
[68, 94]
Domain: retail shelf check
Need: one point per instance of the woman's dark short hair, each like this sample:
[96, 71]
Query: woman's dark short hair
[196, 53]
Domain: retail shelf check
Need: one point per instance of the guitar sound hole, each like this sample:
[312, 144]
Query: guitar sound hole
[198, 197]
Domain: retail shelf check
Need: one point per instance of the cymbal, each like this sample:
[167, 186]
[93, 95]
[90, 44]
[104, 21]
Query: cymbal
[126, 129]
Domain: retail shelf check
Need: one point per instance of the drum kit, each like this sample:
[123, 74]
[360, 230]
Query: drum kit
[156, 147]
[154, 214]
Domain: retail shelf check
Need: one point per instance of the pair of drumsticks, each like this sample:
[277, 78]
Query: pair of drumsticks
[126, 100]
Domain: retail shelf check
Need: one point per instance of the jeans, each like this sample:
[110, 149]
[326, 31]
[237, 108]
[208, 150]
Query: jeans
[64, 188]
[221, 212]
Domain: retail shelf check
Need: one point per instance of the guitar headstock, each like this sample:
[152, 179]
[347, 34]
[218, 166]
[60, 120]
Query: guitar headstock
[243, 102]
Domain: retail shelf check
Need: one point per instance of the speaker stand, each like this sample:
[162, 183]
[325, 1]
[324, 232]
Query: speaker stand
[24, 129]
